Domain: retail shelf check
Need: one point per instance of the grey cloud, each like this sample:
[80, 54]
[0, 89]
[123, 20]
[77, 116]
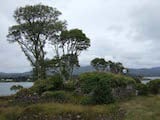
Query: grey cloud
[125, 31]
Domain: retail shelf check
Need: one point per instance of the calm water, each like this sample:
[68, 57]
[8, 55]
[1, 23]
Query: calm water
[5, 87]
[147, 79]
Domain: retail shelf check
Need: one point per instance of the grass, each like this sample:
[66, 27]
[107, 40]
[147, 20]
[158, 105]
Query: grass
[142, 108]
[51, 110]
[138, 108]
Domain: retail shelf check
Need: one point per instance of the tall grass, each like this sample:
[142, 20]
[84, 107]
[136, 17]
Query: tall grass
[138, 108]
[143, 108]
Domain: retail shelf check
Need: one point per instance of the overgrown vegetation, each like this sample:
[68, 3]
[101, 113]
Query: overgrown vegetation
[139, 108]
[89, 88]
[89, 80]
[142, 89]
[16, 87]
[154, 86]
[142, 108]
[61, 96]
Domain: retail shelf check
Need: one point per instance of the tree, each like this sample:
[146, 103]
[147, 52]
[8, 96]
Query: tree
[116, 67]
[99, 64]
[68, 47]
[35, 25]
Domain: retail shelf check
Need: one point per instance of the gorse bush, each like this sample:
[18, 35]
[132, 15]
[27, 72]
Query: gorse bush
[142, 89]
[154, 86]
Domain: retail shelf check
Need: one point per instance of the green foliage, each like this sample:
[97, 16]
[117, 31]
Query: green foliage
[100, 84]
[116, 67]
[89, 81]
[72, 43]
[35, 25]
[154, 86]
[16, 87]
[78, 40]
[86, 100]
[122, 81]
[142, 89]
[70, 85]
[56, 96]
[138, 108]
[51, 84]
[102, 93]
[24, 92]
[99, 64]
[137, 79]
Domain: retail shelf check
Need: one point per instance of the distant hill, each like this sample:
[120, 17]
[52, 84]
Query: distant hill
[15, 75]
[150, 72]
[135, 72]
[83, 69]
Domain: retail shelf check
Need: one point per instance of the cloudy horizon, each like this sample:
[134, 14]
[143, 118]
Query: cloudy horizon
[126, 31]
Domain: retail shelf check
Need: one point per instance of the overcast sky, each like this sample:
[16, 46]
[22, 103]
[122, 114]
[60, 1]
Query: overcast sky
[120, 30]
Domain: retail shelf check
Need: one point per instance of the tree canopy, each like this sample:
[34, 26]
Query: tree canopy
[38, 26]
[100, 64]
[35, 25]
[67, 48]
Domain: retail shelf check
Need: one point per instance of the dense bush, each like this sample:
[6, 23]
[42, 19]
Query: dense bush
[50, 84]
[56, 96]
[102, 93]
[138, 79]
[154, 86]
[16, 87]
[69, 85]
[88, 81]
[86, 100]
[142, 89]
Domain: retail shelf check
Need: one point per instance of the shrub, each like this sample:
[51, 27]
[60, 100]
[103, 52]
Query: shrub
[26, 96]
[69, 85]
[57, 96]
[16, 87]
[142, 89]
[53, 83]
[137, 79]
[86, 100]
[57, 81]
[154, 86]
[88, 81]
[102, 93]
